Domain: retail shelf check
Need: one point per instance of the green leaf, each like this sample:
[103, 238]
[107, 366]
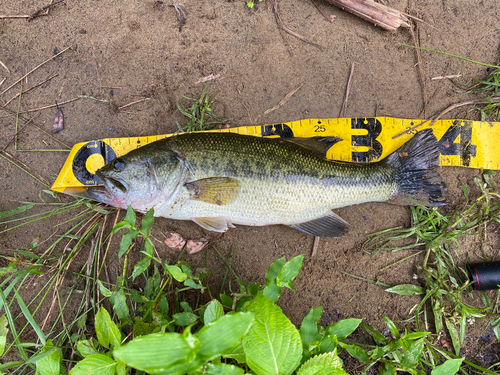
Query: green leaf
[86, 347]
[126, 240]
[223, 369]
[377, 336]
[236, 353]
[121, 368]
[30, 318]
[120, 225]
[213, 312]
[273, 345]
[309, 327]
[141, 266]
[106, 330]
[120, 305]
[175, 272]
[388, 369]
[190, 283]
[158, 352]
[290, 270]
[3, 333]
[454, 335]
[272, 290]
[97, 364]
[223, 334]
[355, 351]
[344, 327]
[450, 367]
[184, 318]
[275, 269]
[413, 353]
[16, 211]
[147, 222]
[130, 216]
[105, 291]
[392, 327]
[51, 364]
[324, 364]
[406, 289]
[415, 335]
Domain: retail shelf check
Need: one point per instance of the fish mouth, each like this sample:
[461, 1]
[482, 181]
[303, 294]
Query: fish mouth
[112, 183]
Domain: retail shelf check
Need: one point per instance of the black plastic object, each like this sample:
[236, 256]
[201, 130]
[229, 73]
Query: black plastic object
[485, 275]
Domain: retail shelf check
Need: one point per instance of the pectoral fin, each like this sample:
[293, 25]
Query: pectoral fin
[214, 224]
[214, 190]
[320, 145]
[331, 225]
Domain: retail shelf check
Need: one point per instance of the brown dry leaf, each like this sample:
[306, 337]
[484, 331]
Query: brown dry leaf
[195, 246]
[175, 241]
[58, 121]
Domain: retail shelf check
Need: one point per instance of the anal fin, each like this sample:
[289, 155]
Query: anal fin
[214, 224]
[331, 225]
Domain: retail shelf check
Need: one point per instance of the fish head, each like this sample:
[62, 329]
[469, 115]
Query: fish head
[143, 178]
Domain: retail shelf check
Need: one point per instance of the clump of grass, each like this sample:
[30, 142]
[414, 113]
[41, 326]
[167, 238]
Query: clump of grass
[446, 281]
[200, 113]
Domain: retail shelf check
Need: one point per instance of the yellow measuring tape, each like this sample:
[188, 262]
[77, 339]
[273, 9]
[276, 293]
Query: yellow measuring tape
[465, 143]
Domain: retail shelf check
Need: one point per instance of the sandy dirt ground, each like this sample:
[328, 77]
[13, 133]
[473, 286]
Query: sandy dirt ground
[129, 50]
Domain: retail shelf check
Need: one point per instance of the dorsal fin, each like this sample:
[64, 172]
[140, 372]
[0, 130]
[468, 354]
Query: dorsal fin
[320, 145]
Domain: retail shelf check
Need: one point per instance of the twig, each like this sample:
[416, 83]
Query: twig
[32, 70]
[36, 13]
[347, 92]
[5, 16]
[31, 88]
[17, 133]
[315, 246]
[137, 101]
[181, 13]
[420, 71]
[42, 108]
[210, 77]
[2, 81]
[5, 67]
[446, 77]
[328, 19]
[286, 29]
[285, 99]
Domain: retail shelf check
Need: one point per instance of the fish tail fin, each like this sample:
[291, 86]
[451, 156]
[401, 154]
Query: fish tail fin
[417, 179]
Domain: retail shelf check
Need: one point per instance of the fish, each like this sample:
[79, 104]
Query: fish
[219, 180]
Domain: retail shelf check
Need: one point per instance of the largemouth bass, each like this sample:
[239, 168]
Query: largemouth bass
[221, 179]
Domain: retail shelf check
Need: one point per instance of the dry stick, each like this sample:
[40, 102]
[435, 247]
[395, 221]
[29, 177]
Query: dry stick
[446, 77]
[46, 7]
[450, 108]
[4, 16]
[32, 70]
[328, 19]
[31, 88]
[5, 67]
[420, 71]
[347, 92]
[285, 99]
[315, 246]
[378, 14]
[137, 101]
[286, 29]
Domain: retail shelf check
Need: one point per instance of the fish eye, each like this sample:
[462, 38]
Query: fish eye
[118, 165]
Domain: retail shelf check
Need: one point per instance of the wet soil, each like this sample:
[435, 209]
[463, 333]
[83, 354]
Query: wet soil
[123, 52]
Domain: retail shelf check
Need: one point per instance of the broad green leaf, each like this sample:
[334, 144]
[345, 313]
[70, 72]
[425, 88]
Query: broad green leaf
[323, 364]
[126, 240]
[450, 367]
[3, 333]
[290, 270]
[184, 318]
[105, 291]
[147, 222]
[121, 368]
[16, 211]
[158, 352]
[223, 369]
[355, 351]
[416, 335]
[388, 369]
[149, 249]
[86, 347]
[328, 344]
[141, 266]
[413, 353]
[106, 330]
[272, 290]
[406, 289]
[51, 364]
[226, 300]
[343, 328]
[120, 305]
[454, 335]
[120, 225]
[192, 284]
[273, 344]
[309, 326]
[96, 364]
[275, 269]
[176, 272]
[392, 327]
[130, 216]
[376, 353]
[223, 334]
[377, 336]
[236, 353]
[213, 312]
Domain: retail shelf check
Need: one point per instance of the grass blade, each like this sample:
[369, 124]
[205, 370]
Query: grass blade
[29, 318]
